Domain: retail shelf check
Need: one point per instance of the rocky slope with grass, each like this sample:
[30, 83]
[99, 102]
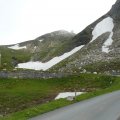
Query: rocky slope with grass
[101, 51]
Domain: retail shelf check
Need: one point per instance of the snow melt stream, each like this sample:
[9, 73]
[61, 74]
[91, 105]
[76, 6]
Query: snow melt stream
[106, 25]
[44, 66]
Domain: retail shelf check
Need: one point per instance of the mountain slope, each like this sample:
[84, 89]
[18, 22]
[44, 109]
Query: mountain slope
[43, 48]
[101, 52]
[95, 49]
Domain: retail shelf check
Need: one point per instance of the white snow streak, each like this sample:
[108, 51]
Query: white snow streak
[17, 47]
[67, 94]
[44, 66]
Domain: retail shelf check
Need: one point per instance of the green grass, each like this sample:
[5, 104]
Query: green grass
[7, 54]
[37, 110]
[29, 93]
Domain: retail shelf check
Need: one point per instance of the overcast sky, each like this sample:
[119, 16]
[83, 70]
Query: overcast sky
[22, 20]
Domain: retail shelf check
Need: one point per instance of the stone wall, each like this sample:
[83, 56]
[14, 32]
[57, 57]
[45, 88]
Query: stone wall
[30, 74]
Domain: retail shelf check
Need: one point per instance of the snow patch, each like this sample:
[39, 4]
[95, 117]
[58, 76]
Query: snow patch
[17, 47]
[106, 25]
[44, 66]
[41, 40]
[67, 94]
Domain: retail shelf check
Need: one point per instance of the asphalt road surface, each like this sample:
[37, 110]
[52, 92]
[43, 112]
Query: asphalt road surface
[105, 107]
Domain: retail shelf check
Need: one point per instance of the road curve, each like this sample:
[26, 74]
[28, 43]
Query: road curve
[105, 107]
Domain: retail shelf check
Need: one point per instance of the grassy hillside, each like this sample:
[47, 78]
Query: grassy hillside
[16, 94]
[53, 44]
[8, 56]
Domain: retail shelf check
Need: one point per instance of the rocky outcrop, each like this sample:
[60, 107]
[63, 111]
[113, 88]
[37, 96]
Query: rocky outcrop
[115, 11]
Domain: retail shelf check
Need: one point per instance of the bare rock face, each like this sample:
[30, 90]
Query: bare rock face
[115, 11]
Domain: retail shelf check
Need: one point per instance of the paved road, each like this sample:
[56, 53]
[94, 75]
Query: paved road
[105, 107]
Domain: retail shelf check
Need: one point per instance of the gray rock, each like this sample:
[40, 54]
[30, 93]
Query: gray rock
[70, 98]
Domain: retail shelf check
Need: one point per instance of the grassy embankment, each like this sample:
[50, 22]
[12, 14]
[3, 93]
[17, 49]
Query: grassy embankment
[23, 99]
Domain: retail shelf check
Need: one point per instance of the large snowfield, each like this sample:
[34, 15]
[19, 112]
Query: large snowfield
[106, 25]
[44, 66]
